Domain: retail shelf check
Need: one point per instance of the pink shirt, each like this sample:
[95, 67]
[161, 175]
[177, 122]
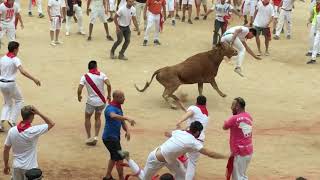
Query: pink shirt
[240, 134]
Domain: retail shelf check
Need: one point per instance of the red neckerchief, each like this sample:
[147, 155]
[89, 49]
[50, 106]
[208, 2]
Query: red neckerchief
[265, 4]
[94, 71]
[113, 103]
[22, 126]
[318, 7]
[203, 109]
[8, 5]
[11, 55]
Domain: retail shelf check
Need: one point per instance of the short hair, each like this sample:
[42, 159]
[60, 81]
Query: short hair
[92, 64]
[196, 126]
[166, 176]
[26, 112]
[253, 31]
[201, 100]
[13, 45]
[241, 102]
[301, 178]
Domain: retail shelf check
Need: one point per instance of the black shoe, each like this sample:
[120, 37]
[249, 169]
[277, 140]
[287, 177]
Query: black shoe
[110, 178]
[122, 57]
[204, 17]
[196, 18]
[177, 16]
[173, 22]
[30, 14]
[110, 19]
[41, 15]
[145, 42]
[109, 38]
[309, 54]
[183, 19]
[312, 62]
[156, 42]
[189, 21]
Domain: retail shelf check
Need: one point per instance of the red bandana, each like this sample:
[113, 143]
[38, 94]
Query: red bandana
[94, 71]
[115, 104]
[11, 55]
[318, 7]
[8, 5]
[265, 4]
[23, 126]
[203, 109]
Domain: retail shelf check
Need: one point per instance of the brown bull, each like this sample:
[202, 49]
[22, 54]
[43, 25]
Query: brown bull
[200, 68]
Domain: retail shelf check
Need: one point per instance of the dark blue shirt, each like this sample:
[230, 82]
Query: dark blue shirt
[112, 127]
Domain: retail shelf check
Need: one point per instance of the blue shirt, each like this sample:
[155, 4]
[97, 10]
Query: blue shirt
[112, 127]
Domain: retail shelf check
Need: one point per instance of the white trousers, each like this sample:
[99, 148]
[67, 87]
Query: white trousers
[284, 17]
[139, 10]
[191, 167]
[152, 19]
[78, 11]
[153, 165]
[316, 45]
[112, 5]
[9, 30]
[313, 31]
[238, 45]
[240, 166]
[13, 101]
[39, 5]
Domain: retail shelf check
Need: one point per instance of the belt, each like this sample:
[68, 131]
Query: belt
[6, 81]
[286, 9]
[226, 34]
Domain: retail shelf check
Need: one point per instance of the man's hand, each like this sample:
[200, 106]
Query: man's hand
[37, 82]
[35, 110]
[79, 98]
[127, 136]
[178, 125]
[132, 122]
[167, 134]
[6, 170]
[108, 98]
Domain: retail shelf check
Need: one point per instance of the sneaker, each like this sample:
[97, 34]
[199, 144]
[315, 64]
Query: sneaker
[122, 57]
[173, 22]
[53, 43]
[90, 142]
[274, 31]
[41, 15]
[30, 14]
[109, 38]
[309, 54]
[177, 16]
[267, 53]
[288, 36]
[67, 34]
[112, 56]
[189, 21]
[110, 19]
[196, 18]
[58, 42]
[312, 62]
[204, 17]
[156, 42]
[276, 37]
[238, 71]
[109, 178]
[81, 33]
[89, 38]
[183, 19]
[145, 42]
[123, 154]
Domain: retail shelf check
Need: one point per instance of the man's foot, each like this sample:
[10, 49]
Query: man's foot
[173, 22]
[108, 178]
[312, 62]
[124, 154]
[274, 31]
[276, 37]
[109, 38]
[177, 16]
[53, 43]
[183, 19]
[64, 21]
[122, 57]
[89, 38]
[156, 42]
[30, 14]
[309, 54]
[238, 71]
[189, 21]
[288, 36]
[112, 56]
[58, 42]
[267, 53]
[81, 33]
[145, 42]
[196, 18]
[205, 17]
[91, 142]
[67, 34]
[41, 15]
[110, 19]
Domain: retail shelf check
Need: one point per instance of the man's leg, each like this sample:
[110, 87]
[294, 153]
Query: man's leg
[39, 5]
[258, 40]
[289, 24]
[184, 8]
[189, 13]
[280, 24]
[8, 102]
[90, 31]
[57, 36]
[79, 15]
[127, 35]
[18, 103]
[240, 165]
[68, 22]
[30, 8]
[315, 48]
[107, 31]
[139, 8]
[150, 18]
[178, 170]
[120, 169]
[152, 166]
[117, 43]
[87, 124]
[157, 29]
[266, 42]
[198, 4]
[215, 32]
[241, 52]
[311, 39]
[191, 168]
[97, 117]
[18, 174]
[111, 164]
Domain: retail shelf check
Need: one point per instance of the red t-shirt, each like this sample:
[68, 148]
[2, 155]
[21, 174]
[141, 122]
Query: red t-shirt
[154, 6]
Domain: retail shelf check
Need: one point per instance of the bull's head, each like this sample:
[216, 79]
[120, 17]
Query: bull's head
[226, 49]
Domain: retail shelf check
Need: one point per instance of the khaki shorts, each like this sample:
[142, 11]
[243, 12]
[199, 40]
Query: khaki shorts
[91, 109]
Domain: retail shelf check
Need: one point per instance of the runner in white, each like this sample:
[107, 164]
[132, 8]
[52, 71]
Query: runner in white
[39, 5]
[187, 6]
[179, 143]
[316, 44]
[74, 8]
[54, 14]
[194, 113]
[13, 101]
[94, 81]
[170, 5]
[248, 9]
[313, 29]
[285, 18]
[8, 12]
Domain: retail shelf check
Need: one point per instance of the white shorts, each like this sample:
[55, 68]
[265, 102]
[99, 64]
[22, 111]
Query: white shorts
[189, 2]
[248, 7]
[91, 109]
[98, 13]
[276, 11]
[170, 5]
[19, 174]
[55, 24]
[113, 5]
[9, 30]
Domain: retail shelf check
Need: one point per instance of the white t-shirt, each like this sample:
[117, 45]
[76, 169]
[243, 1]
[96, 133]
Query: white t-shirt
[8, 14]
[24, 145]
[93, 98]
[96, 4]
[287, 4]
[125, 15]
[264, 14]
[198, 116]
[221, 10]
[9, 67]
[181, 142]
[55, 7]
[242, 35]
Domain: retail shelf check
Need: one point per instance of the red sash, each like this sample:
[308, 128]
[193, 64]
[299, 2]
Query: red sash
[95, 88]
[229, 167]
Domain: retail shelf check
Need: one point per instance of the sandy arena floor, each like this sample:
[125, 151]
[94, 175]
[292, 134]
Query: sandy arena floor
[281, 94]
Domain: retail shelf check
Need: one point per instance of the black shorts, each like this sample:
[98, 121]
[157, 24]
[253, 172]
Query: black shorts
[113, 147]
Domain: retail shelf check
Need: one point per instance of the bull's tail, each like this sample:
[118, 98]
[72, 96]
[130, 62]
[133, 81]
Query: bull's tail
[147, 83]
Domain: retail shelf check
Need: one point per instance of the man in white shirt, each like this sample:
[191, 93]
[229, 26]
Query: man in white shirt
[237, 36]
[194, 113]
[122, 20]
[285, 18]
[99, 9]
[94, 81]
[54, 13]
[23, 140]
[262, 19]
[39, 5]
[74, 8]
[248, 9]
[13, 101]
[179, 143]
